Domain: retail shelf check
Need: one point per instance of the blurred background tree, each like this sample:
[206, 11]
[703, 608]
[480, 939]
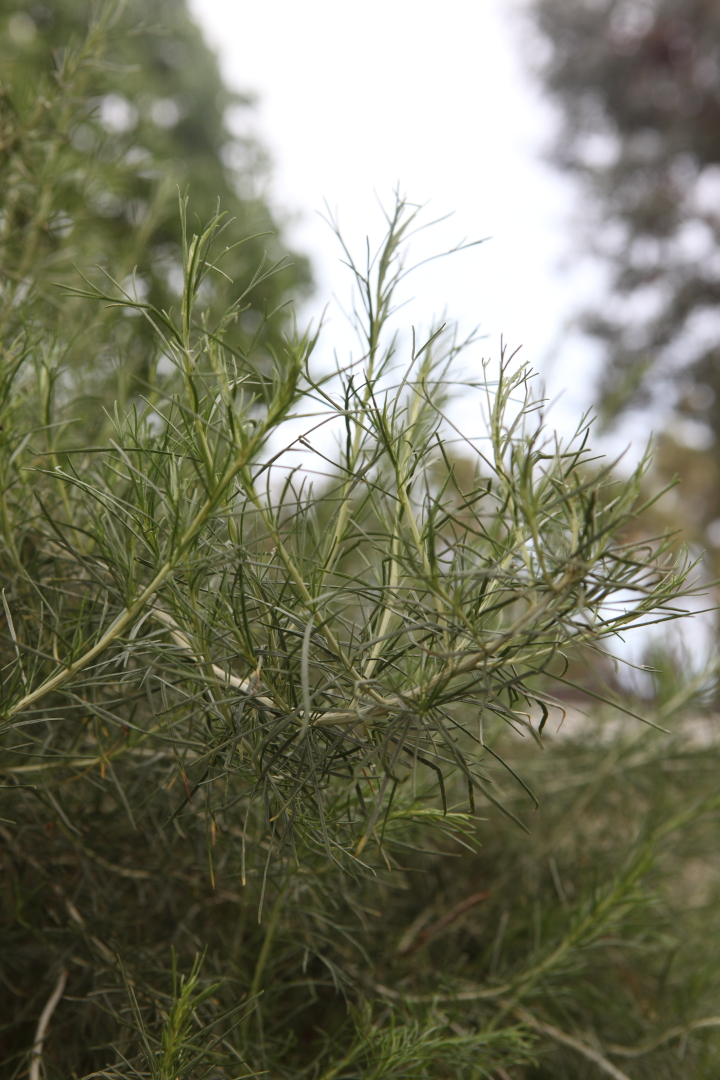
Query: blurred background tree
[105, 113]
[638, 83]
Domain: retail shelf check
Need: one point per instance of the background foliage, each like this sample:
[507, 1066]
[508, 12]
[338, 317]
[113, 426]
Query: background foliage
[106, 113]
[638, 84]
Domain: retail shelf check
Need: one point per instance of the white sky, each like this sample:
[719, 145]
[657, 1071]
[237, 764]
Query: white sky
[356, 98]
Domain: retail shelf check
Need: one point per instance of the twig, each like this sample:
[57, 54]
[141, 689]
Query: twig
[246, 686]
[527, 1018]
[568, 1040]
[417, 942]
[45, 1017]
[672, 1033]
[250, 685]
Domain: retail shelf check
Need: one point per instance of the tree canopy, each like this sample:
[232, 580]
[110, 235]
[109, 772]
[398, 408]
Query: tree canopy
[107, 112]
[639, 87]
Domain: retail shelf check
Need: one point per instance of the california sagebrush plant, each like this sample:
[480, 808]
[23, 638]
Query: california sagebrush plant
[231, 673]
[257, 686]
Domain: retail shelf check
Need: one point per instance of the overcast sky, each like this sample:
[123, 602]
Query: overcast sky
[356, 98]
[438, 97]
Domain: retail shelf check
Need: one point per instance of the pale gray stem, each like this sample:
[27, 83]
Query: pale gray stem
[43, 1022]
[569, 1040]
[246, 686]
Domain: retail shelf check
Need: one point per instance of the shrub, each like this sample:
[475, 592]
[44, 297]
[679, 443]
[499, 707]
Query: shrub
[257, 685]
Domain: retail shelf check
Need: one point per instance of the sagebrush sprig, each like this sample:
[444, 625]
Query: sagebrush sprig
[365, 628]
[290, 666]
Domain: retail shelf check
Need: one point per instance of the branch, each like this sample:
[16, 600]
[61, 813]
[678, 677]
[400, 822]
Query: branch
[127, 617]
[422, 938]
[245, 686]
[673, 1033]
[43, 1022]
[568, 1040]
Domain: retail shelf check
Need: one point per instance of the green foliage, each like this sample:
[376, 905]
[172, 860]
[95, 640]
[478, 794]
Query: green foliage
[313, 637]
[263, 649]
[105, 111]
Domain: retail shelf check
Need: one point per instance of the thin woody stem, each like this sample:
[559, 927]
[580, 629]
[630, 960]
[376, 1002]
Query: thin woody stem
[43, 1024]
